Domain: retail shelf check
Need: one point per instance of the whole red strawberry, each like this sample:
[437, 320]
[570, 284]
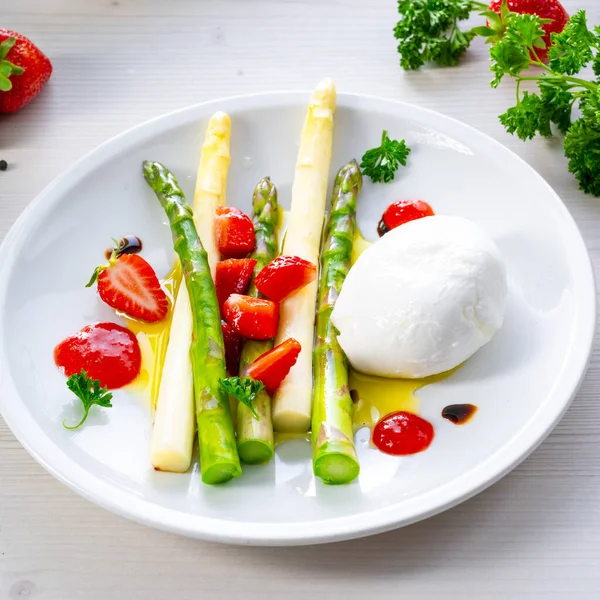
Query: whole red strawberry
[545, 9]
[24, 69]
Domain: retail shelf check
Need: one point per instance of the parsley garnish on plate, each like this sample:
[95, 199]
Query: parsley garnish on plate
[558, 89]
[244, 390]
[90, 392]
[381, 163]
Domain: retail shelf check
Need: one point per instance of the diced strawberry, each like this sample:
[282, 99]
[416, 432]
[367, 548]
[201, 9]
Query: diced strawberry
[272, 367]
[233, 348]
[233, 277]
[403, 211]
[128, 283]
[284, 276]
[234, 231]
[253, 318]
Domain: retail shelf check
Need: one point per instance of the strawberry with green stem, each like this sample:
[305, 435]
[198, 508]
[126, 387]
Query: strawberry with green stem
[24, 70]
[7, 68]
[129, 284]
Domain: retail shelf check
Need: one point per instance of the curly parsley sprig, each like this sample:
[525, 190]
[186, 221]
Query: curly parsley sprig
[559, 90]
[244, 390]
[90, 392]
[381, 163]
[429, 31]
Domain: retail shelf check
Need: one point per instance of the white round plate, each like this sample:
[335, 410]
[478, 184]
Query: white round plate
[522, 381]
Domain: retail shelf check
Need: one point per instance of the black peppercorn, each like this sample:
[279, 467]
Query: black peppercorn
[3, 165]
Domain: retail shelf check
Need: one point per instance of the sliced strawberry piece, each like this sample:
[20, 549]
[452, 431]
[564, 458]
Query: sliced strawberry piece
[233, 348]
[128, 283]
[234, 231]
[233, 277]
[403, 211]
[254, 318]
[284, 276]
[272, 367]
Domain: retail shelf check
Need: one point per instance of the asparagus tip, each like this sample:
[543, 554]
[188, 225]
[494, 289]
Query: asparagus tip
[151, 171]
[159, 178]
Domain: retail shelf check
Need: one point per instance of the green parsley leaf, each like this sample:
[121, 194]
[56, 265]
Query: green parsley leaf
[596, 65]
[381, 163]
[90, 392]
[524, 118]
[534, 113]
[446, 52]
[596, 59]
[428, 31]
[526, 30]
[245, 390]
[582, 148]
[510, 55]
[589, 104]
[571, 50]
[557, 104]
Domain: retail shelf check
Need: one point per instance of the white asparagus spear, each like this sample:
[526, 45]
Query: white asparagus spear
[174, 422]
[292, 401]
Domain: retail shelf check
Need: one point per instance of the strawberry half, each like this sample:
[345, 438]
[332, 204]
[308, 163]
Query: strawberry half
[24, 70]
[233, 348]
[234, 232]
[128, 283]
[284, 276]
[272, 367]
[233, 277]
[253, 318]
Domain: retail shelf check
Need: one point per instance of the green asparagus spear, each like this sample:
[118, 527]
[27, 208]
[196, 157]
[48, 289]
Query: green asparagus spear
[219, 460]
[334, 455]
[255, 436]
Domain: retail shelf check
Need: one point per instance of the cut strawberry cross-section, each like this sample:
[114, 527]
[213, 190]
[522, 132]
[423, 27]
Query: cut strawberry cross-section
[128, 283]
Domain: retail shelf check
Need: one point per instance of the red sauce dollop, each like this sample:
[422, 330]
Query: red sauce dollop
[106, 351]
[402, 433]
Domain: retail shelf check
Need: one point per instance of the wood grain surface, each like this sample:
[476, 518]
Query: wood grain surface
[535, 534]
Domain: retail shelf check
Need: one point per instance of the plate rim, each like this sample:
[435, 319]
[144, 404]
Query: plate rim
[485, 474]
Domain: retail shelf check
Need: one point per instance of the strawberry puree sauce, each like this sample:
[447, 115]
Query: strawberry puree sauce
[106, 351]
[402, 433]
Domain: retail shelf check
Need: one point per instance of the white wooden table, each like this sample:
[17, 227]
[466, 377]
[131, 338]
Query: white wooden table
[535, 534]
